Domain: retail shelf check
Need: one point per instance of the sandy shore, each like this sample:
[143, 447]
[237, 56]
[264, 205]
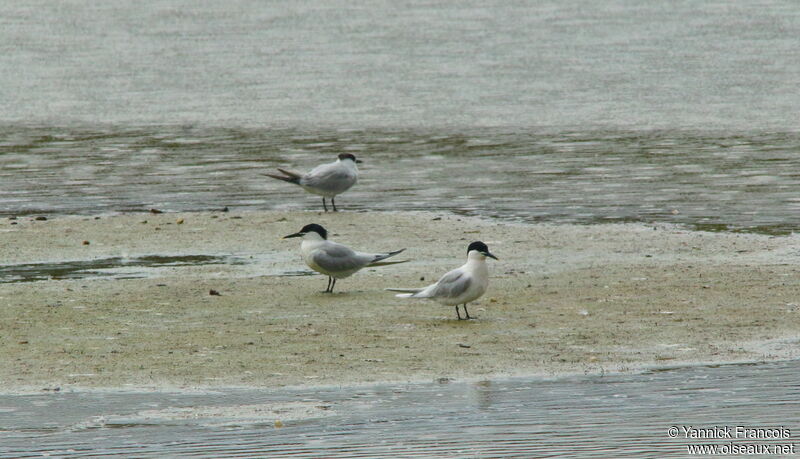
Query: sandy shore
[563, 299]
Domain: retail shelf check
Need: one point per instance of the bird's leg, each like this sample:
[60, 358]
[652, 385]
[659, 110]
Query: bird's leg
[333, 284]
[324, 206]
[334, 204]
[458, 313]
[328, 288]
[466, 312]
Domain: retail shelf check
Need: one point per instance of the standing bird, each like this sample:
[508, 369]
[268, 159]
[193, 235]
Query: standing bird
[337, 261]
[326, 180]
[459, 286]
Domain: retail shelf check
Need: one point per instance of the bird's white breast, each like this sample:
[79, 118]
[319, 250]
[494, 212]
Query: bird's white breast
[307, 250]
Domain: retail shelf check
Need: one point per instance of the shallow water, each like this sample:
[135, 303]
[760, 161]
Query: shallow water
[589, 416]
[489, 63]
[114, 267]
[710, 181]
[147, 266]
[553, 111]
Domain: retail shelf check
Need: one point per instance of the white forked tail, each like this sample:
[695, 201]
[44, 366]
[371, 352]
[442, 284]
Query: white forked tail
[288, 176]
[378, 259]
[384, 263]
[383, 256]
[407, 292]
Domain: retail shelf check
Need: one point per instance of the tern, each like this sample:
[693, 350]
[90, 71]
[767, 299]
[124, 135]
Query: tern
[459, 286]
[326, 180]
[335, 260]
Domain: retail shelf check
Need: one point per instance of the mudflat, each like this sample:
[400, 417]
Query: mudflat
[562, 299]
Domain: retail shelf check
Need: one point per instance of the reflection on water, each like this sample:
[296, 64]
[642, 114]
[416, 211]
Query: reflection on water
[711, 181]
[589, 416]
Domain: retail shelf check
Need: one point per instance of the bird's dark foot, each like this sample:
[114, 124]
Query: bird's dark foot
[467, 313]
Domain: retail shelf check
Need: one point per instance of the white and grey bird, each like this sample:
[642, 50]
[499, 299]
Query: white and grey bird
[459, 286]
[326, 180]
[335, 260]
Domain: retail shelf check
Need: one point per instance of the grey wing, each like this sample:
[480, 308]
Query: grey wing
[451, 284]
[329, 177]
[339, 258]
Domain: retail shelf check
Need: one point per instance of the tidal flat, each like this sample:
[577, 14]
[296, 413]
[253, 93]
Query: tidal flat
[563, 299]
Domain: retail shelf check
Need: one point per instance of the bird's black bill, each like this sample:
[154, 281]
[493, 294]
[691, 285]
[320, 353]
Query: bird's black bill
[488, 254]
[294, 235]
[359, 161]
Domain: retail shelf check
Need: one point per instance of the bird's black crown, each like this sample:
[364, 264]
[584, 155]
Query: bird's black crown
[343, 156]
[316, 228]
[479, 246]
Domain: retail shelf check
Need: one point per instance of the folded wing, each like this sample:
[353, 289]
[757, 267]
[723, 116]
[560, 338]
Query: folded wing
[338, 258]
[450, 285]
[329, 177]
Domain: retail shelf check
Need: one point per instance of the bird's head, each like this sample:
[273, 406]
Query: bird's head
[349, 157]
[310, 229]
[479, 249]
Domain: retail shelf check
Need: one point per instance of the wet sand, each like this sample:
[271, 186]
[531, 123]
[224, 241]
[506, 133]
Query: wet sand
[563, 299]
